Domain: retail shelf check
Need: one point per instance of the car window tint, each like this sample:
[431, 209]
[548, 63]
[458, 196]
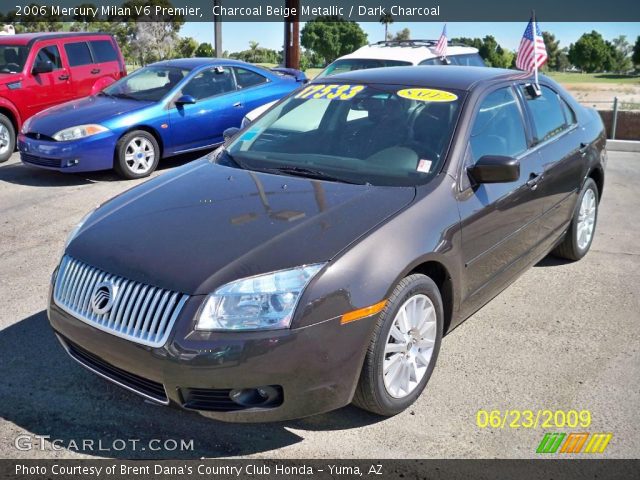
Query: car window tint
[247, 78]
[78, 54]
[103, 51]
[50, 54]
[431, 61]
[467, 59]
[304, 118]
[498, 128]
[148, 84]
[546, 110]
[352, 64]
[12, 58]
[569, 114]
[210, 83]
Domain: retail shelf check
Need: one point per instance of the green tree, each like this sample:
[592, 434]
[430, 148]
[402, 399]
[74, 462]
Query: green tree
[332, 37]
[204, 50]
[386, 20]
[590, 53]
[253, 47]
[494, 55]
[635, 58]
[553, 51]
[186, 47]
[620, 53]
[404, 34]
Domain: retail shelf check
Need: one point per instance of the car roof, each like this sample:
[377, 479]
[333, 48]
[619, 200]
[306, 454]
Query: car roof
[434, 76]
[197, 62]
[30, 38]
[414, 51]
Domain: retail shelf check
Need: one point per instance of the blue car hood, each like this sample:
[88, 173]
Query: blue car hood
[96, 109]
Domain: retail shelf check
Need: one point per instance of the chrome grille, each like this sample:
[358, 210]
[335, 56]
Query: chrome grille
[141, 313]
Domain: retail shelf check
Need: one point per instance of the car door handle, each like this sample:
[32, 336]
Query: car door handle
[63, 77]
[583, 149]
[95, 70]
[237, 104]
[534, 180]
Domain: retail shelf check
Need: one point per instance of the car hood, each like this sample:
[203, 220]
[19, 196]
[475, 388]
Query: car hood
[94, 109]
[203, 225]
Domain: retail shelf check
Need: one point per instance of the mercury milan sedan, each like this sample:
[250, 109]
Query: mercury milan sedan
[320, 255]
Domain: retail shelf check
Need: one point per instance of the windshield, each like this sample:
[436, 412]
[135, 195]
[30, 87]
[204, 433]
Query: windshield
[378, 134]
[351, 64]
[147, 84]
[12, 58]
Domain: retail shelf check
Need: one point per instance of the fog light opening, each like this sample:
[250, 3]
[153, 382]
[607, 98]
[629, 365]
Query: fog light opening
[73, 162]
[265, 396]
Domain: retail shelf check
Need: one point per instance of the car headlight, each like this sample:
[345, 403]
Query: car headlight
[78, 132]
[25, 126]
[263, 302]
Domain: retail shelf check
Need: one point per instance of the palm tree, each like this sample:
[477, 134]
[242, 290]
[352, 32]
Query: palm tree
[253, 46]
[386, 20]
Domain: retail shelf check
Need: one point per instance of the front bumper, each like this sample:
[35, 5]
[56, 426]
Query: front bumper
[316, 367]
[84, 155]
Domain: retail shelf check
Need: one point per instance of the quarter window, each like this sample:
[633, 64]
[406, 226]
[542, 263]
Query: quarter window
[103, 51]
[50, 54]
[548, 117]
[570, 116]
[78, 54]
[247, 78]
[209, 83]
[498, 128]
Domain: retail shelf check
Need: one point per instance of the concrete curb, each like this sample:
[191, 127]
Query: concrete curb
[623, 146]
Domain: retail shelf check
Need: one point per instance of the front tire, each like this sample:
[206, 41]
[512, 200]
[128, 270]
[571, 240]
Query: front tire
[404, 348]
[137, 155]
[7, 138]
[578, 239]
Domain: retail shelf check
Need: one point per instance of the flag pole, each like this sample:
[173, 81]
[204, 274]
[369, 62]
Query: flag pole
[535, 53]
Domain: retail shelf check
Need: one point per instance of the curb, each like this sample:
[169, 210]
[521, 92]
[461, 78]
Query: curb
[623, 146]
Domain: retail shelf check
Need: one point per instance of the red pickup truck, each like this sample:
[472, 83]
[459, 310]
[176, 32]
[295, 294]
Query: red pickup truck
[40, 70]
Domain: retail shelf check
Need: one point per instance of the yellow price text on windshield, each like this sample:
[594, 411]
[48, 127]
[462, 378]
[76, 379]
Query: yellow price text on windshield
[331, 92]
[427, 95]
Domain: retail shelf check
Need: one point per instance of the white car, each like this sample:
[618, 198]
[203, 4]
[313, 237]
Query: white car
[391, 53]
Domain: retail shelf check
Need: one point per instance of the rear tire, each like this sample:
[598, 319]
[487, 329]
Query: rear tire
[7, 138]
[399, 363]
[137, 155]
[579, 236]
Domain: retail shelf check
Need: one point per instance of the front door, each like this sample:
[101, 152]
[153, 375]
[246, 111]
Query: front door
[44, 90]
[218, 106]
[499, 221]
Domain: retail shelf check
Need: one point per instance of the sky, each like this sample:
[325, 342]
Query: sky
[236, 35]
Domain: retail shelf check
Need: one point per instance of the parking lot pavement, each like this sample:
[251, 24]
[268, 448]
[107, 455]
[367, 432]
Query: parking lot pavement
[564, 336]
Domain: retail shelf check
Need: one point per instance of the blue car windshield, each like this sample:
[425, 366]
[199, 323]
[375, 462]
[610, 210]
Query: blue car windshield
[149, 84]
[391, 135]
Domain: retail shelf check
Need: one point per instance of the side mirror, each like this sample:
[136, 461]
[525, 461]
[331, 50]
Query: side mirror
[185, 100]
[495, 169]
[230, 132]
[42, 67]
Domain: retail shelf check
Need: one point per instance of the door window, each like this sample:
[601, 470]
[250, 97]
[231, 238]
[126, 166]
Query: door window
[498, 128]
[78, 54]
[548, 116]
[49, 54]
[248, 78]
[103, 51]
[210, 83]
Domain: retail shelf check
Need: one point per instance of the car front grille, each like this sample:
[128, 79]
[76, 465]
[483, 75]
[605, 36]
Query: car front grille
[142, 386]
[140, 313]
[215, 400]
[45, 162]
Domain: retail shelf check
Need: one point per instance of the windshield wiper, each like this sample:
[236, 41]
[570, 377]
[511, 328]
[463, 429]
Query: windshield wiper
[312, 173]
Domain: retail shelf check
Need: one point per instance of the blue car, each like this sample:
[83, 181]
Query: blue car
[164, 109]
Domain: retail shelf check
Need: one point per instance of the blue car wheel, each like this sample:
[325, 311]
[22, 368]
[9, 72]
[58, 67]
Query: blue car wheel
[137, 155]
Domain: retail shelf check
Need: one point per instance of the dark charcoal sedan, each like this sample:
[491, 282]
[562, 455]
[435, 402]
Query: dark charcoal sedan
[319, 257]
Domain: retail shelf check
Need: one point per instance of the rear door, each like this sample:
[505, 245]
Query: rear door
[499, 221]
[44, 90]
[557, 139]
[219, 105]
[83, 71]
[105, 58]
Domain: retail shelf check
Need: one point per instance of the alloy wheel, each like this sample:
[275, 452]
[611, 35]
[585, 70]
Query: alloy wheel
[139, 155]
[5, 139]
[586, 219]
[409, 346]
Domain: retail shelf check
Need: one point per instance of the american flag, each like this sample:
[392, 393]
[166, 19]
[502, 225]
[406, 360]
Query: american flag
[441, 46]
[532, 53]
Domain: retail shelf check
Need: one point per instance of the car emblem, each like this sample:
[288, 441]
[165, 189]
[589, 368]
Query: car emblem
[37, 136]
[102, 297]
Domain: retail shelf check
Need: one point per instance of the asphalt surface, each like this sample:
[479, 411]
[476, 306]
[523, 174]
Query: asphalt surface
[564, 336]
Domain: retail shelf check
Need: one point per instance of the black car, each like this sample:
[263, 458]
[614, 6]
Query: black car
[319, 257]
